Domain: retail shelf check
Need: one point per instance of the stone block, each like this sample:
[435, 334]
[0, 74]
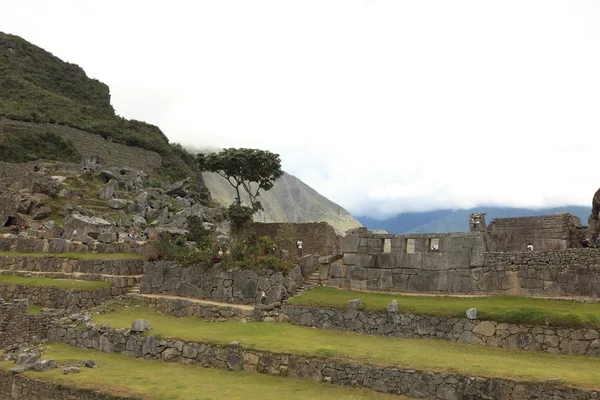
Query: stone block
[366, 261]
[356, 273]
[485, 328]
[350, 243]
[324, 272]
[350, 258]
[355, 304]
[392, 307]
[337, 270]
[472, 313]
[374, 246]
[386, 260]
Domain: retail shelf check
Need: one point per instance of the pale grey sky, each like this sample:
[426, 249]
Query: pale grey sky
[382, 106]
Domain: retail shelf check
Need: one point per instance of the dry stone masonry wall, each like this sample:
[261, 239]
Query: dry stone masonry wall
[57, 246]
[512, 336]
[188, 308]
[54, 297]
[69, 265]
[317, 237]
[413, 383]
[17, 326]
[235, 286]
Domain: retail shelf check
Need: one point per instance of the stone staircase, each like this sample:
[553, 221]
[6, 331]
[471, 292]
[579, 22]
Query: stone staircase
[309, 283]
[135, 289]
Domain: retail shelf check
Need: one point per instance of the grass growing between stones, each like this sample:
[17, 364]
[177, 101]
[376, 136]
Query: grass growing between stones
[429, 355]
[76, 256]
[513, 309]
[34, 310]
[150, 379]
[49, 282]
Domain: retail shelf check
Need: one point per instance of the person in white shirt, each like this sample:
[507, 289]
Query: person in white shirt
[299, 246]
[529, 247]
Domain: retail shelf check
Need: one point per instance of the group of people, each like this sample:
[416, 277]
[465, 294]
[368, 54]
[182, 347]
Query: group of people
[16, 229]
[135, 235]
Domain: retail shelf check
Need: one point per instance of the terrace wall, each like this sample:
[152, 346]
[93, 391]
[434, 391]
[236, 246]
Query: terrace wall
[54, 297]
[23, 244]
[19, 387]
[317, 237]
[409, 382]
[512, 336]
[69, 265]
[17, 326]
[215, 283]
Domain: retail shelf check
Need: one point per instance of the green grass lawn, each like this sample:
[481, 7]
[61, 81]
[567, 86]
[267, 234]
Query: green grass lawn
[60, 283]
[77, 256]
[151, 379]
[518, 310]
[430, 355]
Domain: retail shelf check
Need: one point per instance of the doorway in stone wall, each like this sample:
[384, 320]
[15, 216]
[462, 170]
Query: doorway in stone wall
[10, 221]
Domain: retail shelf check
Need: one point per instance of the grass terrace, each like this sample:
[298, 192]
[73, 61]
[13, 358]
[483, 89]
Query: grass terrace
[149, 379]
[429, 355]
[513, 309]
[76, 256]
[49, 282]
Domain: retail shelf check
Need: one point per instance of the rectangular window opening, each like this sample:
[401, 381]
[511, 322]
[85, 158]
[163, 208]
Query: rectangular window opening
[410, 246]
[434, 244]
[387, 245]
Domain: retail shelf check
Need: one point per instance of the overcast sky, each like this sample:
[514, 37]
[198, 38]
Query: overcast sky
[382, 106]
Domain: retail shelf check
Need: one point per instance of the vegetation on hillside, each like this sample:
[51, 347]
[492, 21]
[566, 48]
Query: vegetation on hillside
[36, 86]
[24, 147]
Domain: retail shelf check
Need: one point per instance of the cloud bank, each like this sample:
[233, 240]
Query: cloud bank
[382, 106]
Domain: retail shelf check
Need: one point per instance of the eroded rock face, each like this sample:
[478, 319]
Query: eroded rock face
[8, 208]
[594, 218]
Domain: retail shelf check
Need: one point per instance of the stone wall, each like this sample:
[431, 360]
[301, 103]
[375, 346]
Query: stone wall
[23, 244]
[317, 237]
[17, 326]
[512, 336]
[409, 382]
[20, 387]
[548, 232]
[458, 263]
[214, 283]
[410, 264]
[54, 297]
[71, 265]
[189, 308]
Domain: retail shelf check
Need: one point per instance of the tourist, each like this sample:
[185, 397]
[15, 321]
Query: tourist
[530, 247]
[263, 296]
[283, 296]
[299, 247]
[586, 243]
[74, 234]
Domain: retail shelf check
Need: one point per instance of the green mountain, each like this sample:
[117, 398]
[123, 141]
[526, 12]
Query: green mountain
[290, 200]
[36, 86]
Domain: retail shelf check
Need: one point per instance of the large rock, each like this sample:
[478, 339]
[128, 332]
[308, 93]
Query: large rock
[355, 304]
[41, 213]
[86, 225]
[180, 188]
[392, 307]
[29, 356]
[107, 175]
[594, 218]
[140, 325]
[44, 365]
[117, 204]
[8, 209]
[108, 191]
[472, 313]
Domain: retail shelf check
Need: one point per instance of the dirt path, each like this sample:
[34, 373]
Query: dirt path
[75, 275]
[214, 303]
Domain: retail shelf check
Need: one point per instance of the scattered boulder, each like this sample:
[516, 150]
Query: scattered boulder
[140, 325]
[85, 225]
[45, 365]
[70, 370]
[108, 191]
[29, 356]
[90, 364]
[41, 213]
[20, 368]
[271, 306]
[107, 237]
[117, 204]
[355, 304]
[180, 188]
[472, 313]
[107, 175]
[392, 307]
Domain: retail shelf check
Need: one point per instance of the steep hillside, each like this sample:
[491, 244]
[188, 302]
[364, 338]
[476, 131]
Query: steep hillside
[36, 86]
[458, 220]
[290, 200]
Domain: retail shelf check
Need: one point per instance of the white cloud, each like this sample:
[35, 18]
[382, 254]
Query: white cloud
[382, 106]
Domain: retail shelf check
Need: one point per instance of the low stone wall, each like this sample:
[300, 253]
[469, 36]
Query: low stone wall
[23, 244]
[317, 237]
[19, 387]
[53, 297]
[17, 326]
[409, 382]
[523, 337]
[117, 281]
[188, 308]
[235, 286]
[69, 265]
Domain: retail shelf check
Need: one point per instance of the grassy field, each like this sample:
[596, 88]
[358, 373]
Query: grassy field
[431, 355]
[60, 283]
[518, 310]
[77, 256]
[150, 379]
